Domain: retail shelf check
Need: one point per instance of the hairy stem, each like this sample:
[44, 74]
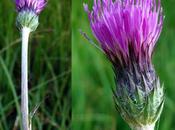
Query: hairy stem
[24, 79]
[146, 127]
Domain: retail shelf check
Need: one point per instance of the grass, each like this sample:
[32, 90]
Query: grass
[49, 68]
[92, 76]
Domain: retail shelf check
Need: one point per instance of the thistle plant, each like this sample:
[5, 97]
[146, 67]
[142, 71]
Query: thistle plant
[127, 31]
[27, 22]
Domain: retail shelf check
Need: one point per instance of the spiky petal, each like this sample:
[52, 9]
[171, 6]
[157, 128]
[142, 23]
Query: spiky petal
[34, 5]
[126, 29]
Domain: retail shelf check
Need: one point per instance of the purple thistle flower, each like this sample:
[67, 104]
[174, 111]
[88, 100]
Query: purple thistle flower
[127, 31]
[28, 11]
[34, 5]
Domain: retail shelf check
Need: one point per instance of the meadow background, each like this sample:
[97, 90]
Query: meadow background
[49, 67]
[92, 76]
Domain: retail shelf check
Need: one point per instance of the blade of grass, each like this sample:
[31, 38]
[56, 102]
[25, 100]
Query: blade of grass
[12, 87]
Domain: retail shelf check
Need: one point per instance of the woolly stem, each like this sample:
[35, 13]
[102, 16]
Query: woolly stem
[24, 79]
[146, 127]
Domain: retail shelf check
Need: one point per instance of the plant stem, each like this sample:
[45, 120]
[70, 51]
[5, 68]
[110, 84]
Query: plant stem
[24, 79]
[146, 127]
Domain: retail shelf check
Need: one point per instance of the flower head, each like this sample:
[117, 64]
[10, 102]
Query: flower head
[127, 31]
[28, 11]
[34, 5]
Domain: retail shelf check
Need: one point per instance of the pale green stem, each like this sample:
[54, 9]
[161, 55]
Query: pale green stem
[24, 79]
[146, 127]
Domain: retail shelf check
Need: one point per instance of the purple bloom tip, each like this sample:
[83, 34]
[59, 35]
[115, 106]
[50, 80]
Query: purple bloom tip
[34, 5]
[127, 30]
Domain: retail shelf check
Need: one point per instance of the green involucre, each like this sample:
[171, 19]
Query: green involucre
[28, 19]
[141, 109]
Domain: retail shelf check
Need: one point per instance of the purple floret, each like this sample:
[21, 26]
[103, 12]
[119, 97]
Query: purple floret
[127, 30]
[34, 5]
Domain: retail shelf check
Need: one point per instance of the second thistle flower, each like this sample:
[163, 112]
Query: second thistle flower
[127, 31]
[28, 11]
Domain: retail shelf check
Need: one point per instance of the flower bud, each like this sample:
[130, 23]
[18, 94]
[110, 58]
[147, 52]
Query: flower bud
[28, 11]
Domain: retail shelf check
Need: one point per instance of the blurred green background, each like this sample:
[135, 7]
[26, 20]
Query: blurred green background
[92, 76]
[49, 67]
